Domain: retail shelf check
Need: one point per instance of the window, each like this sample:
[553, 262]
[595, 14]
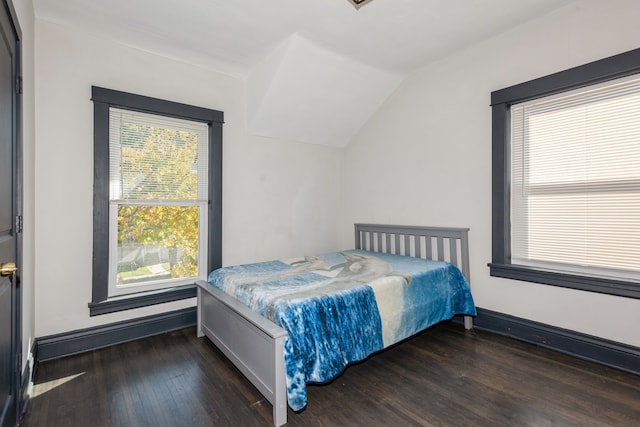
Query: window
[158, 176]
[157, 199]
[566, 178]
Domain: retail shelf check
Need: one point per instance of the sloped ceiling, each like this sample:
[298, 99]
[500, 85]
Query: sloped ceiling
[316, 69]
[306, 93]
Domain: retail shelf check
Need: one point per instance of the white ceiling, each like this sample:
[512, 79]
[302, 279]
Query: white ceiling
[379, 43]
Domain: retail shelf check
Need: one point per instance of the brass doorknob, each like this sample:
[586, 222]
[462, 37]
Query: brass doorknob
[8, 269]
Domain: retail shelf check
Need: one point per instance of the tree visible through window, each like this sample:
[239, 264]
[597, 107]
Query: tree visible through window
[158, 191]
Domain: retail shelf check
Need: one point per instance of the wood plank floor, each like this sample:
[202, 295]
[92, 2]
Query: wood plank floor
[445, 376]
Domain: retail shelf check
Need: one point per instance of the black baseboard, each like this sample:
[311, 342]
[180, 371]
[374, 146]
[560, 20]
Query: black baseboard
[599, 350]
[79, 341]
[610, 353]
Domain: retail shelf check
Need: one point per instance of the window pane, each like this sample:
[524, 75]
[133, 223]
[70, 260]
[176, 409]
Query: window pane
[157, 163]
[580, 229]
[156, 243]
[154, 157]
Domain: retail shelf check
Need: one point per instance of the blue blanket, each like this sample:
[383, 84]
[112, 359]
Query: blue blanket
[339, 308]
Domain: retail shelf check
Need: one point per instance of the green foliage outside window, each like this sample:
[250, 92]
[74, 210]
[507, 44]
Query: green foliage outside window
[157, 164]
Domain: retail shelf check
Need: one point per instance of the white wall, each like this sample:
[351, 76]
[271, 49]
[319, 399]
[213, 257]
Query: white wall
[426, 154]
[278, 196]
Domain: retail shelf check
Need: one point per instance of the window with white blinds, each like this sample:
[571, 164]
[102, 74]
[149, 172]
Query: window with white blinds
[575, 180]
[158, 177]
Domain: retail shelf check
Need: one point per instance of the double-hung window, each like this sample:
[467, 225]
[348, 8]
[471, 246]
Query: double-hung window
[157, 199]
[566, 180]
[158, 187]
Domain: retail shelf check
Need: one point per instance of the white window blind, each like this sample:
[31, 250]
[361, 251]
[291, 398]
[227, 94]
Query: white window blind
[575, 180]
[149, 153]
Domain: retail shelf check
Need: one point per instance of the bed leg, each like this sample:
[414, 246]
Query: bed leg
[468, 322]
[280, 413]
[280, 403]
[199, 332]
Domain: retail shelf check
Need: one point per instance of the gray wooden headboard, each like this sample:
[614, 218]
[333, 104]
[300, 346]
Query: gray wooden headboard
[436, 243]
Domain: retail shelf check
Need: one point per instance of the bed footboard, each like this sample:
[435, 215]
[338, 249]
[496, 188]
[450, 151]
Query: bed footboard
[251, 342]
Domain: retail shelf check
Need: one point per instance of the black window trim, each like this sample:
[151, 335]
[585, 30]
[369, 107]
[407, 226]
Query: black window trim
[621, 65]
[103, 99]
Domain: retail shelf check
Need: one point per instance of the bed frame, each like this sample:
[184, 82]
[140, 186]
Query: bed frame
[255, 345]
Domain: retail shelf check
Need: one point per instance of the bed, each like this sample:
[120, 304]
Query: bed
[274, 330]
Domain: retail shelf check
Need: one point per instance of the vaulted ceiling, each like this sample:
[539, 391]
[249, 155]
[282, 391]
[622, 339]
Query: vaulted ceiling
[316, 70]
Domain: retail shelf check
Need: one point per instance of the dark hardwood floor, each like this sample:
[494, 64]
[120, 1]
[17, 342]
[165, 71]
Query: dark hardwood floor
[445, 376]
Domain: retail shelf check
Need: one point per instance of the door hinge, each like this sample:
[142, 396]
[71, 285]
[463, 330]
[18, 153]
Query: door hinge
[18, 223]
[19, 85]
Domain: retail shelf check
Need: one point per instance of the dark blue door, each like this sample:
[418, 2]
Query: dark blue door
[9, 325]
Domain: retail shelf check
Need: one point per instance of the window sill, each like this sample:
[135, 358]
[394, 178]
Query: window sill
[620, 288]
[142, 299]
